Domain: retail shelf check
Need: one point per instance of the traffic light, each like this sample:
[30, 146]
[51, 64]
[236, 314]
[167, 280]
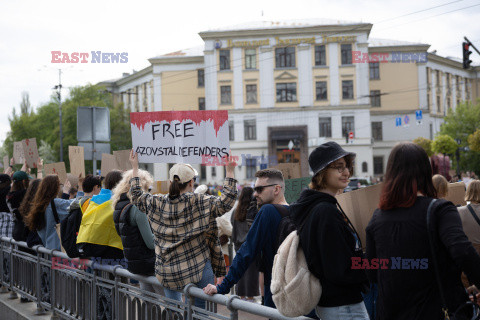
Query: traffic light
[466, 55]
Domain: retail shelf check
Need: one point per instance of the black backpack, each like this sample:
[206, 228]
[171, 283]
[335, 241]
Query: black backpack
[69, 229]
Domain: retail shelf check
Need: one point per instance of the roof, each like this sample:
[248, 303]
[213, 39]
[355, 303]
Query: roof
[258, 25]
[189, 52]
[375, 42]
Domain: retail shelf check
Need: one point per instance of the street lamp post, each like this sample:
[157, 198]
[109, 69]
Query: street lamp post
[59, 95]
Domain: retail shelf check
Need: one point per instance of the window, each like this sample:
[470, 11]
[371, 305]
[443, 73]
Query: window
[348, 125]
[251, 93]
[375, 98]
[226, 95]
[448, 103]
[364, 166]
[448, 81]
[377, 165]
[214, 172]
[377, 132]
[250, 59]
[203, 173]
[250, 128]
[286, 92]
[374, 70]
[428, 101]
[285, 57]
[224, 59]
[438, 104]
[251, 168]
[458, 102]
[321, 90]
[325, 125]
[201, 77]
[347, 89]
[428, 77]
[320, 56]
[438, 77]
[457, 82]
[231, 130]
[431, 131]
[346, 51]
[201, 103]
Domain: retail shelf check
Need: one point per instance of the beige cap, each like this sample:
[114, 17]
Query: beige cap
[184, 171]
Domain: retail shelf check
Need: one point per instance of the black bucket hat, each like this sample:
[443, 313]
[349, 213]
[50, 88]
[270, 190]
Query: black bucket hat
[325, 154]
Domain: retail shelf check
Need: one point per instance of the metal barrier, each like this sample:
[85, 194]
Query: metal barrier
[103, 292]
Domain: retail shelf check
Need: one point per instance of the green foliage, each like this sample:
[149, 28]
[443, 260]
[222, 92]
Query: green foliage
[444, 144]
[474, 141]
[43, 123]
[425, 143]
[46, 152]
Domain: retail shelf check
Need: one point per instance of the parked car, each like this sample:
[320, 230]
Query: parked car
[356, 183]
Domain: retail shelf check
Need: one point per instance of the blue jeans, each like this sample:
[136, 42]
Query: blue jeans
[207, 278]
[348, 312]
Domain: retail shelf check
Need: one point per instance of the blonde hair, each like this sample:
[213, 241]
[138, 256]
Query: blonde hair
[441, 185]
[123, 186]
[473, 191]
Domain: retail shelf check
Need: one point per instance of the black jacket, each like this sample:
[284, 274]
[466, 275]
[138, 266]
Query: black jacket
[140, 259]
[329, 245]
[408, 290]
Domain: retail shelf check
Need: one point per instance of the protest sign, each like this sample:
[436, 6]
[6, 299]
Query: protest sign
[73, 180]
[6, 163]
[359, 206]
[57, 168]
[180, 136]
[77, 163]
[18, 152]
[30, 152]
[109, 163]
[456, 193]
[293, 188]
[289, 170]
[162, 187]
[122, 157]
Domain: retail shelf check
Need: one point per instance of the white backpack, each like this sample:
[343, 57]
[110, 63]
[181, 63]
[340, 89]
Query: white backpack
[295, 290]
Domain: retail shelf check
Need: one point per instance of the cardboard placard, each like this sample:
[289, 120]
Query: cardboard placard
[180, 136]
[289, 170]
[293, 188]
[359, 206]
[77, 163]
[109, 163]
[123, 159]
[6, 163]
[18, 152]
[30, 152]
[456, 193]
[162, 187]
[73, 180]
[57, 168]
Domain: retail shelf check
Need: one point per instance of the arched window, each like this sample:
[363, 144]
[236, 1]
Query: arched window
[364, 166]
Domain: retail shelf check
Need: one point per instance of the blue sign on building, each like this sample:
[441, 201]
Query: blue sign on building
[398, 122]
[406, 119]
[418, 115]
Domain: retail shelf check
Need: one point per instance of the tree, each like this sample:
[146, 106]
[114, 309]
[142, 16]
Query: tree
[425, 143]
[460, 124]
[474, 141]
[25, 107]
[444, 144]
[46, 152]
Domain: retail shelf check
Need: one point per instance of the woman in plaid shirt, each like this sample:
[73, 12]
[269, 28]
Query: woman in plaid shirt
[186, 249]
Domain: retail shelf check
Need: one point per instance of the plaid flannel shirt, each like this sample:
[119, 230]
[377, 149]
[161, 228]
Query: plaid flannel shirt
[185, 232]
[6, 224]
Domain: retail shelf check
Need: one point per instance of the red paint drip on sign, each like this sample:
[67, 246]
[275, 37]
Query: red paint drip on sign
[218, 117]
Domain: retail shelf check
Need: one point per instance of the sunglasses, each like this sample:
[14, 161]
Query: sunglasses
[259, 189]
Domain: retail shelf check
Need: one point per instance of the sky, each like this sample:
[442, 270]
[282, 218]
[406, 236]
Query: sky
[30, 30]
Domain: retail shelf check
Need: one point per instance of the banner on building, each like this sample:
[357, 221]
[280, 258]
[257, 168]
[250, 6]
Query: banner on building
[57, 168]
[30, 152]
[180, 136]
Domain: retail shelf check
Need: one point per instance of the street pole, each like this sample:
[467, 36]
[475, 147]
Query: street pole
[59, 93]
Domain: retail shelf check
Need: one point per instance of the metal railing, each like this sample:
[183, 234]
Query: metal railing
[103, 292]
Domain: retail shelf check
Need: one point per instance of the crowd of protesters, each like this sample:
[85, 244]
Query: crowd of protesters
[181, 237]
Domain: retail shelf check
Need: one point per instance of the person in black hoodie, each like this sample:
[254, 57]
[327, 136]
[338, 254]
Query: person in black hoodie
[398, 234]
[327, 236]
[6, 219]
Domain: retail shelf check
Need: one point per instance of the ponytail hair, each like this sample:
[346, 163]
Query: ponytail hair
[176, 187]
